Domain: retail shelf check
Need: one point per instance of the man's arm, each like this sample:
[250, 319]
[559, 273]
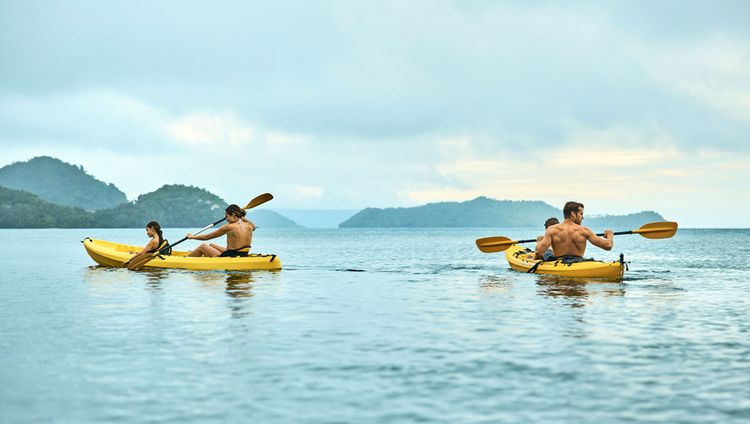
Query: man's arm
[605, 243]
[543, 244]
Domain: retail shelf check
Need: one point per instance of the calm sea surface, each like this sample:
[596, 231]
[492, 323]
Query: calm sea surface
[375, 326]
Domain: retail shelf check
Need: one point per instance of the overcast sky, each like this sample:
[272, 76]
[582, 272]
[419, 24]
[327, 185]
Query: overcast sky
[623, 106]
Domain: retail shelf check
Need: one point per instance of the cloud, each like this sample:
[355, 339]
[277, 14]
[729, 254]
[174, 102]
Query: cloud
[307, 190]
[714, 72]
[207, 128]
[612, 170]
[97, 119]
[381, 71]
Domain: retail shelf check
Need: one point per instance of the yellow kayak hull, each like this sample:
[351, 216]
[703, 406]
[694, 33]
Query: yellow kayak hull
[107, 253]
[522, 260]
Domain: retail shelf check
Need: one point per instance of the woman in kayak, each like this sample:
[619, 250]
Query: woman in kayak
[153, 230]
[157, 241]
[239, 232]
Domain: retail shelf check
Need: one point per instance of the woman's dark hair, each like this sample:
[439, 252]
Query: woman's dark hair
[235, 210]
[571, 207]
[155, 225]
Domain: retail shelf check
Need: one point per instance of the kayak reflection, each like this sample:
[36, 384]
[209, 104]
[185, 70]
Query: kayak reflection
[154, 277]
[578, 291]
[239, 284]
[236, 284]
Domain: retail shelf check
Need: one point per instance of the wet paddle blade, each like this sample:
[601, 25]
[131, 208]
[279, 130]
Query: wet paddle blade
[657, 230]
[138, 262]
[494, 244]
[263, 198]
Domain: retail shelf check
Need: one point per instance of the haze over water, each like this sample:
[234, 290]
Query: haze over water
[397, 325]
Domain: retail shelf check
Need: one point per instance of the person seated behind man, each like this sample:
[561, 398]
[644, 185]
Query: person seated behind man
[239, 232]
[568, 239]
[548, 255]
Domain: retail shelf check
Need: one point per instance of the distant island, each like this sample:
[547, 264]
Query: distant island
[484, 212]
[65, 196]
[61, 183]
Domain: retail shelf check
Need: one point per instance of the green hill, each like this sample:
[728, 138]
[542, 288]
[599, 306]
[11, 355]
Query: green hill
[181, 206]
[174, 206]
[61, 183]
[480, 212]
[20, 209]
[483, 212]
[622, 222]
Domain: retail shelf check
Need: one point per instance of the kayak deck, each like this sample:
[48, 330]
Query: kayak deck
[107, 253]
[522, 259]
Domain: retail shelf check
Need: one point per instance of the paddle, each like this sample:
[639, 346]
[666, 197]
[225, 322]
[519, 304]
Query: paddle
[137, 262]
[654, 230]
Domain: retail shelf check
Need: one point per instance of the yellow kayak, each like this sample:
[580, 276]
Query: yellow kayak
[107, 253]
[522, 259]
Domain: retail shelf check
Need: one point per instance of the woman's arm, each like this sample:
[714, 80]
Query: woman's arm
[149, 246]
[213, 234]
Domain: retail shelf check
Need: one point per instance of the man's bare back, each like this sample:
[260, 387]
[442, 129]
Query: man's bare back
[569, 237]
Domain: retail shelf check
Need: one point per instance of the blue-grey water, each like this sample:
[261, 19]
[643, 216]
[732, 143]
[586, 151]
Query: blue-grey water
[375, 326]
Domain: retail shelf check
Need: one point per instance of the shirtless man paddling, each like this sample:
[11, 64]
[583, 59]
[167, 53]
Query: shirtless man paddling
[569, 237]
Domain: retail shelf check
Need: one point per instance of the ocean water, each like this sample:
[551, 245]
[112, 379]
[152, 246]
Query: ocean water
[375, 326]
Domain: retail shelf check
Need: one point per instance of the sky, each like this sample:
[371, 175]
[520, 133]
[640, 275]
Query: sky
[623, 106]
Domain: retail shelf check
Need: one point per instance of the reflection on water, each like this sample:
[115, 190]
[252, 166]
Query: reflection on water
[236, 283]
[239, 284]
[495, 283]
[578, 291]
[154, 277]
[108, 275]
[102, 275]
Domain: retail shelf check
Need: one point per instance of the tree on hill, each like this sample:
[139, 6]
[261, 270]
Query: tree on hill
[180, 206]
[61, 183]
[20, 209]
[171, 205]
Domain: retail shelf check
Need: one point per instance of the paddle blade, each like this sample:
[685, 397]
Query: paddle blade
[657, 230]
[263, 198]
[139, 261]
[494, 244]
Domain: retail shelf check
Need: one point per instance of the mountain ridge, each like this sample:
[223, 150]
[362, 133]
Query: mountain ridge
[481, 212]
[190, 207]
[61, 183]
